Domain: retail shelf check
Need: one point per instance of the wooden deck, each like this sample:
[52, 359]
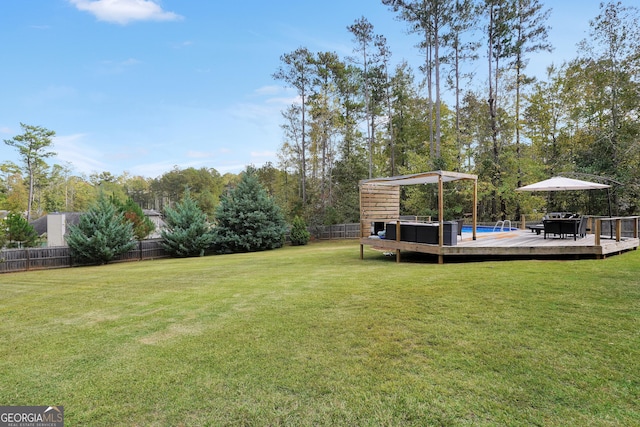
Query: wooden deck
[510, 245]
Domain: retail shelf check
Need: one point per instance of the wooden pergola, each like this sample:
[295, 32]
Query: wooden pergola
[380, 198]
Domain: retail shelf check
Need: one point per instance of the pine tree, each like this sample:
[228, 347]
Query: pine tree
[19, 233]
[248, 219]
[187, 232]
[142, 225]
[101, 235]
[32, 146]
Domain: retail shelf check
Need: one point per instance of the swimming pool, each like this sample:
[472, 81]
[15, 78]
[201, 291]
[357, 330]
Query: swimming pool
[485, 229]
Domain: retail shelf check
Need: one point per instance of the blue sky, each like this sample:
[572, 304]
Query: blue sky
[141, 86]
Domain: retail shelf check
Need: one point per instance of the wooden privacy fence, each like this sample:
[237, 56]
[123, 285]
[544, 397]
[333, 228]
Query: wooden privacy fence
[13, 260]
[337, 231]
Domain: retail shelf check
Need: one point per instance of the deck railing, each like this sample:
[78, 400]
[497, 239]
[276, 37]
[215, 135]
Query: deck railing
[616, 228]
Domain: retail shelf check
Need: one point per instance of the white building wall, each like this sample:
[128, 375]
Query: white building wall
[56, 227]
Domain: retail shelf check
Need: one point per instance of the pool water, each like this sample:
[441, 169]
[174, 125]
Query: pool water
[485, 229]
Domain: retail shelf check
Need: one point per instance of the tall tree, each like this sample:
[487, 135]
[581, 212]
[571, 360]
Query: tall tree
[297, 71]
[462, 49]
[32, 147]
[546, 119]
[531, 34]
[348, 83]
[324, 113]
[612, 57]
[608, 71]
[429, 18]
[291, 150]
[14, 192]
[385, 57]
[410, 119]
[501, 14]
[362, 31]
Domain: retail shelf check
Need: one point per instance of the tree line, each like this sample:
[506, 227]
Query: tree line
[365, 116]
[358, 118]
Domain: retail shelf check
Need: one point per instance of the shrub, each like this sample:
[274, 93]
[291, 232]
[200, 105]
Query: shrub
[247, 219]
[299, 234]
[101, 235]
[187, 232]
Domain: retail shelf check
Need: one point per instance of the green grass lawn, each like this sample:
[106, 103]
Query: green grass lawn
[314, 336]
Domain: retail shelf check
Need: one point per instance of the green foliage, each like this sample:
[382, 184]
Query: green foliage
[3, 235]
[205, 186]
[187, 232]
[142, 225]
[347, 173]
[101, 235]
[32, 146]
[299, 234]
[18, 232]
[248, 219]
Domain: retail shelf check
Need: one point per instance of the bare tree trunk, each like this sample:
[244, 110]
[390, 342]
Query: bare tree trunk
[303, 153]
[436, 47]
[493, 118]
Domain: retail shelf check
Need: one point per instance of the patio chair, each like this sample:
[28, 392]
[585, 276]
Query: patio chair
[582, 227]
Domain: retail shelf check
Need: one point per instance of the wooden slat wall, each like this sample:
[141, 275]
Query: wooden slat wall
[377, 203]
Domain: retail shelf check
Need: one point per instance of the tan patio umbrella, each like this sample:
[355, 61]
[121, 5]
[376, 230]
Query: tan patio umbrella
[560, 183]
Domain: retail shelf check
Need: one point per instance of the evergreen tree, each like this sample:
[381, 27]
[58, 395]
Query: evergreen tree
[187, 232]
[299, 234]
[19, 233]
[248, 219]
[142, 225]
[101, 235]
[32, 146]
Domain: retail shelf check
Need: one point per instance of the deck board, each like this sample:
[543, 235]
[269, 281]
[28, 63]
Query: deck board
[514, 244]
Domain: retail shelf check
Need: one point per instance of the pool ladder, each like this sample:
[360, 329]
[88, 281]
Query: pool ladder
[502, 225]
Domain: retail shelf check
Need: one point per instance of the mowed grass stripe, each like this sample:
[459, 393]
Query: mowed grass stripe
[313, 335]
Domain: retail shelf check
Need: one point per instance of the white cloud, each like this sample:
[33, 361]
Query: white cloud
[231, 168]
[262, 154]
[199, 154]
[154, 170]
[51, 94]
[117, 67]
[181, 45]
[270, 90]
[125, 11]
[73, 149]
[278, 95]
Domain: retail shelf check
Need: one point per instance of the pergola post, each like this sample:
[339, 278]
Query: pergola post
[440, 212]
[474, 215]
